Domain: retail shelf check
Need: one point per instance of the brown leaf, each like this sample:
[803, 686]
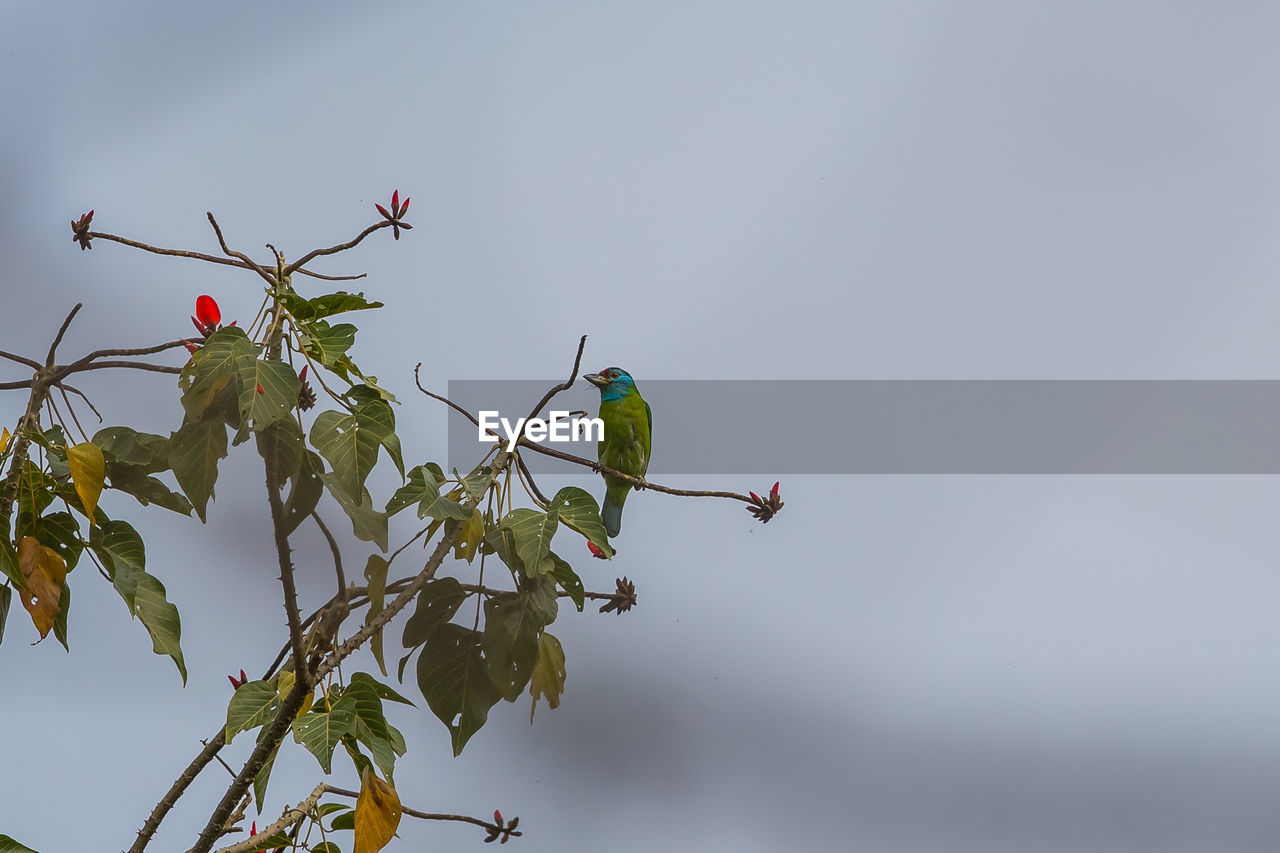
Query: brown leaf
[46, 572]
[377, 814]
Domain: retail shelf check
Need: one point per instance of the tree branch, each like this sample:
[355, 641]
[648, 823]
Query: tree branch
[333, 250]
[492, 827]
[53, 347]
[290, 817]
[240, 256]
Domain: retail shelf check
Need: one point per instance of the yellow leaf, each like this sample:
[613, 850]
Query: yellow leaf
[469, 540]
[547, 678]
[4, 439]
[284, 685]
[88, 470]
[46, 573]
[377, 814]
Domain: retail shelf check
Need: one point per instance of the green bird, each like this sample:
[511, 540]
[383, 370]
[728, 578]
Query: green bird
[628, 427]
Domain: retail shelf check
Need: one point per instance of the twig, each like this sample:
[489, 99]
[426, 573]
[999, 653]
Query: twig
[332, 250]
[177, 789]
[177, 253]
[333, 547]
[86, 362]
[563, 386]
[241, 256]
[21, 359]
[341, 792]
[290, 817]
[333, 277]
[53, 347]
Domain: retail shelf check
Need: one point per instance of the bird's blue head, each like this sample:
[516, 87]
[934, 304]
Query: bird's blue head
[614, 383]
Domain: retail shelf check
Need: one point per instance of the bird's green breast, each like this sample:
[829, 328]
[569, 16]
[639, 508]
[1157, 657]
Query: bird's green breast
[626, 435]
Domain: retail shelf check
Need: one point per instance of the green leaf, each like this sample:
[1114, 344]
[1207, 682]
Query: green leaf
[381, 689]
[137, 449]
[477, 482]
[305, 491]
[373, 402]
[548, 673]
[264, 774]
[133, 480]
[60, 621]
[371, 727]
[254, 703]
[366, 522]
[569, 581]
[532, 531]
[579, 511]
[326, 305]
[60, 532]
[454, 679]
[375, 575]
[326, 847]
[470, 538]
[278, 397]
[9, 563]
[6, 596]
[327, 344]
[194, 451]
[419, 487]
[211, 380]
[346, 820]
[512, 621]
[123, 555]
[350, 442]
[438, 600]
[320, 731]
[8, 845]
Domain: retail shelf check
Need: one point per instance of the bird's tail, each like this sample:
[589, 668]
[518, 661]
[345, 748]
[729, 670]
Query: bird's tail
[614, 498]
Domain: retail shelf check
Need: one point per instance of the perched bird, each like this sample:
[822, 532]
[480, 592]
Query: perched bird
[628, 426]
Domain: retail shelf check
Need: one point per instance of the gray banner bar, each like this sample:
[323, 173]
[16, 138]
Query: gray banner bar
[778, 427]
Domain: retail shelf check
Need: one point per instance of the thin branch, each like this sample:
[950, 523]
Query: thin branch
[446, 400]
[290, 817]
[130, 365]
[526, 477]
[177, 789]
[83, 396]
[53, 347]
[243, 258]
[333, 250]
[20, 359]
[451, 534]
[72, 412]
[333, 547]
[563, 386]
[177, 253]
[341, 792]
[83, 363]
[636, 481]
[284, 561]
[333, 277]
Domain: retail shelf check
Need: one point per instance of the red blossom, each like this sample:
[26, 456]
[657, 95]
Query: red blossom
[395, 214]
[382, 210]
[497, 817]
[774, 491]
[596, 551]
[395, 199]
[253, 829]
[207, 310]
[302, 374]
[237, 682]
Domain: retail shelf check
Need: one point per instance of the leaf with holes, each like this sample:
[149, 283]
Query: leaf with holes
[45, 576]
[366, 522]
[548, 673]
[377, 814]
[438, 600]
[454, 680]
[123, 555]
[349, 443]
[127, 446]
[579, 511]
[512, 621]
[194, 451]
[320, 731]
[268, 392]
[563, 574]
[253, 703]
[532, 531]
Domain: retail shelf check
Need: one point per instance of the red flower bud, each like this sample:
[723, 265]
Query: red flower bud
[596, 551]
[755, 497]
[497, 817]
[207, 310]
[395, 199]
[232, 323]
[191, 348]
[404, 207]
[774, 490]
[235, 683]
[253, 829]
[302, 374]
[382, 210]
[199, 326]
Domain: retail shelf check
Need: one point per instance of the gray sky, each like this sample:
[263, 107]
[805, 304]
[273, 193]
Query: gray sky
[711, 190]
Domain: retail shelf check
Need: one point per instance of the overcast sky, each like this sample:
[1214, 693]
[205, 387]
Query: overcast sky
[939, 190]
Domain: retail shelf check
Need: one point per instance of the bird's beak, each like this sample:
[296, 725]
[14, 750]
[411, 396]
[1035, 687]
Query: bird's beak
[596, 379]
